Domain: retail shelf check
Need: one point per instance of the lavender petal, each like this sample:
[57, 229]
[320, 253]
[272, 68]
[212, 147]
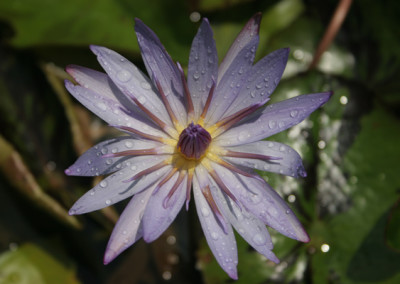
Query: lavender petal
[129, 226]
[272, 119]
[223, 245]
[111, 110]
[156, 218]
[131, 81]
[203, 66]
[246, 224]
[160, 65]
[247, 35]
[92, 162]
[262, 80]
[289, 164]
[264, 203]
[114, 188]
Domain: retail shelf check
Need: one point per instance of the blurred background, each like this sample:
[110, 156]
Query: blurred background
[349, 203]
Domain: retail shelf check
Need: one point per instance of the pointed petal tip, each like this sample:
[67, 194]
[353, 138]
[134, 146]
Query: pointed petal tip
[96, 49]
[257, 18]
[109, 256]
[305, 238]
[68, 172]
[233, 274]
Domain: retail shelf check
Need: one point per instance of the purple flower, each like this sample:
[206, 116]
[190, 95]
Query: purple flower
[204, 133]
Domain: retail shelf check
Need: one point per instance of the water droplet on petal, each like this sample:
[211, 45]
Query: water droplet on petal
[128, 144]
[259, 239]
[102, 106]
[103, 183]
[145, 85]
[294, 113]
[214, 236]
[243, 135]
[108, 201]
[272, 124]
[205, 212]
[142, 99]
[196, 76]
[124, 76]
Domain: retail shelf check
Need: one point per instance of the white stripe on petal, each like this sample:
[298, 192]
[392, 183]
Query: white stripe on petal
[223, 245]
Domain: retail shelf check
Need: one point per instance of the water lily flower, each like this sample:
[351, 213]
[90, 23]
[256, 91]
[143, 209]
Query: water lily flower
[202, 134]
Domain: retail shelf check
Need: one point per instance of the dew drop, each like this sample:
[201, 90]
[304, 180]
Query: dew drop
[272, 124]
[255, 199]
[101, 106]
[108, 201]
[133, 168]
[124, 76]
[243, 135]
[205, 212]
[294, 113]
[259, 239]
[128, 144]
[196, 76]
[104, 151]
[270, 144]
[145, 85]
[282, 148]
[103, 183]
[109, 162]
[214, 236]
[142, 100]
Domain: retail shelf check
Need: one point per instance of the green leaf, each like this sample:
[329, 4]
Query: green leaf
[29, 264]
[361, 189]
[104, 22]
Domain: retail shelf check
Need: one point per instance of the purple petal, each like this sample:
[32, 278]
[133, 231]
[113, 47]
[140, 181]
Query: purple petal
[128, 228]
[247, 35]
[203, 66]
[289, 164]
[264, 203]
[131, 81]
[159, 64]
[273, 119]
[97, 81]
[92, 162]
[157, 218]
[222, 245]
[249, 227]
[232, 82]
[110, 110]
[114, 188]
[261, 81]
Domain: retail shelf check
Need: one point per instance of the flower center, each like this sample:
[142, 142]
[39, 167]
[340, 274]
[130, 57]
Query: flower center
[193, 141]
